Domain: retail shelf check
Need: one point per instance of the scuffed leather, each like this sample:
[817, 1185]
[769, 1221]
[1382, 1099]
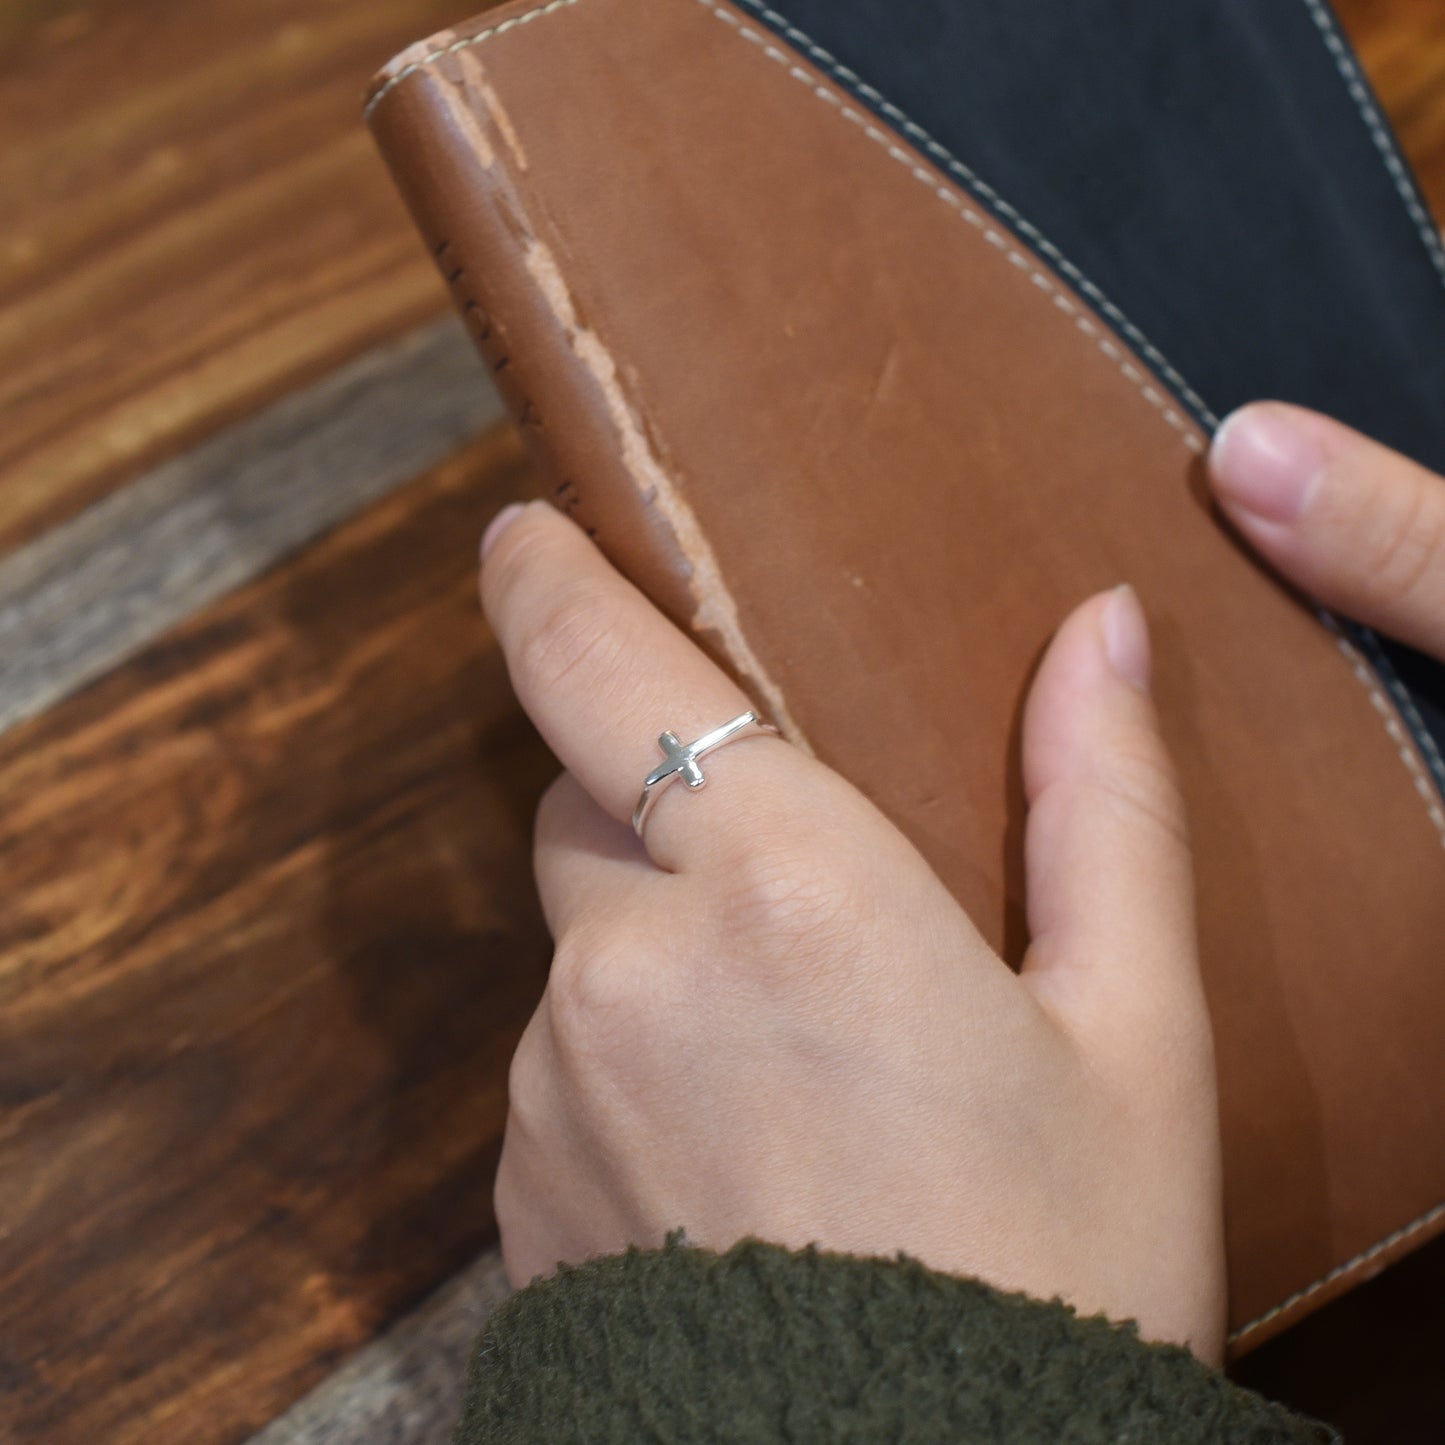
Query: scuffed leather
[835, 421]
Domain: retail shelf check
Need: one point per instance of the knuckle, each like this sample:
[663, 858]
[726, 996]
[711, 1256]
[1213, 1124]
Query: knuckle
[570, 633]
[779, 885]
[1409, 543]
[597, 996]
[793, 908]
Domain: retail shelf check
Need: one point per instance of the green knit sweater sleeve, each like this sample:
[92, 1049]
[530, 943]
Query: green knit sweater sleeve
[767, 1344]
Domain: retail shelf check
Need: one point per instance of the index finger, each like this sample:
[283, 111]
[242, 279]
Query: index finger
[602, 673]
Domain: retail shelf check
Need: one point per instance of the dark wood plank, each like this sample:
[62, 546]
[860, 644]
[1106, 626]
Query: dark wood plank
[268, 939]
[195, 222]
[80, 599]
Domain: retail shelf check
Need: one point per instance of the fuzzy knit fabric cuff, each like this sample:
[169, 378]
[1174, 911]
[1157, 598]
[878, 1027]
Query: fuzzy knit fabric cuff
[768, 1344]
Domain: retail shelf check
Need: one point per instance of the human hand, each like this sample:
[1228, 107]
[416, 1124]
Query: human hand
[775, 1021]
[1357, 526]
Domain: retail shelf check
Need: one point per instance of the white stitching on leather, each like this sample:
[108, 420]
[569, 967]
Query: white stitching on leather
[951, 162]
[461, 44]
[1427, 739]
[1340, 1270]
[1418, 775]
[1433, 761]
[1375, 124]
[1404, 745]
[991, 234]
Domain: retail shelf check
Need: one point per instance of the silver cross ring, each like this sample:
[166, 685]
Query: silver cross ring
[680, 760]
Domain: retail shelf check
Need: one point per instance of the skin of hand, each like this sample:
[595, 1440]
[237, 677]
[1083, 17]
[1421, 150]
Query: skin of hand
[774, 1021]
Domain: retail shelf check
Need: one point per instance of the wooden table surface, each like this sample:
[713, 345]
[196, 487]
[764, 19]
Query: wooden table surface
[267, 934]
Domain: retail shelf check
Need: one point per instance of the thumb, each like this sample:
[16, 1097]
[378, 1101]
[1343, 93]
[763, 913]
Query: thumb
[1109, 875]
[1354, 524]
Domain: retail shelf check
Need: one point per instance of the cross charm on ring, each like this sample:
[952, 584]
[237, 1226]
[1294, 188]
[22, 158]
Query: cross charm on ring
[680, 760]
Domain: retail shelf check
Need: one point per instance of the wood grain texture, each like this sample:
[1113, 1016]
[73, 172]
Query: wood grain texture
[406, 1387]
[269, 937]
[195, 222]
[87, 594]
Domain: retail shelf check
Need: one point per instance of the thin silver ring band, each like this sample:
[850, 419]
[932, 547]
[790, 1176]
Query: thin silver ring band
[680, 760]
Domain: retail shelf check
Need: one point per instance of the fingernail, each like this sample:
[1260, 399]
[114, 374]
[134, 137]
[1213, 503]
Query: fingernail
[499, 524]
[1266, 461]
[1126, 637]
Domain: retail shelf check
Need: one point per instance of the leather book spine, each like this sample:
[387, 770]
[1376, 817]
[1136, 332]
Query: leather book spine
[461, 167]
[868, 449]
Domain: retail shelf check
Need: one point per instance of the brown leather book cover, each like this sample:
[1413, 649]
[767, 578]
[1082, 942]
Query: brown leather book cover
[840, 424]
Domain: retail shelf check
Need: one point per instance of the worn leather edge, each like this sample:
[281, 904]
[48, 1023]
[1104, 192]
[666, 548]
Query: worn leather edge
[564, 367]
[394, 107]
[422, 53]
